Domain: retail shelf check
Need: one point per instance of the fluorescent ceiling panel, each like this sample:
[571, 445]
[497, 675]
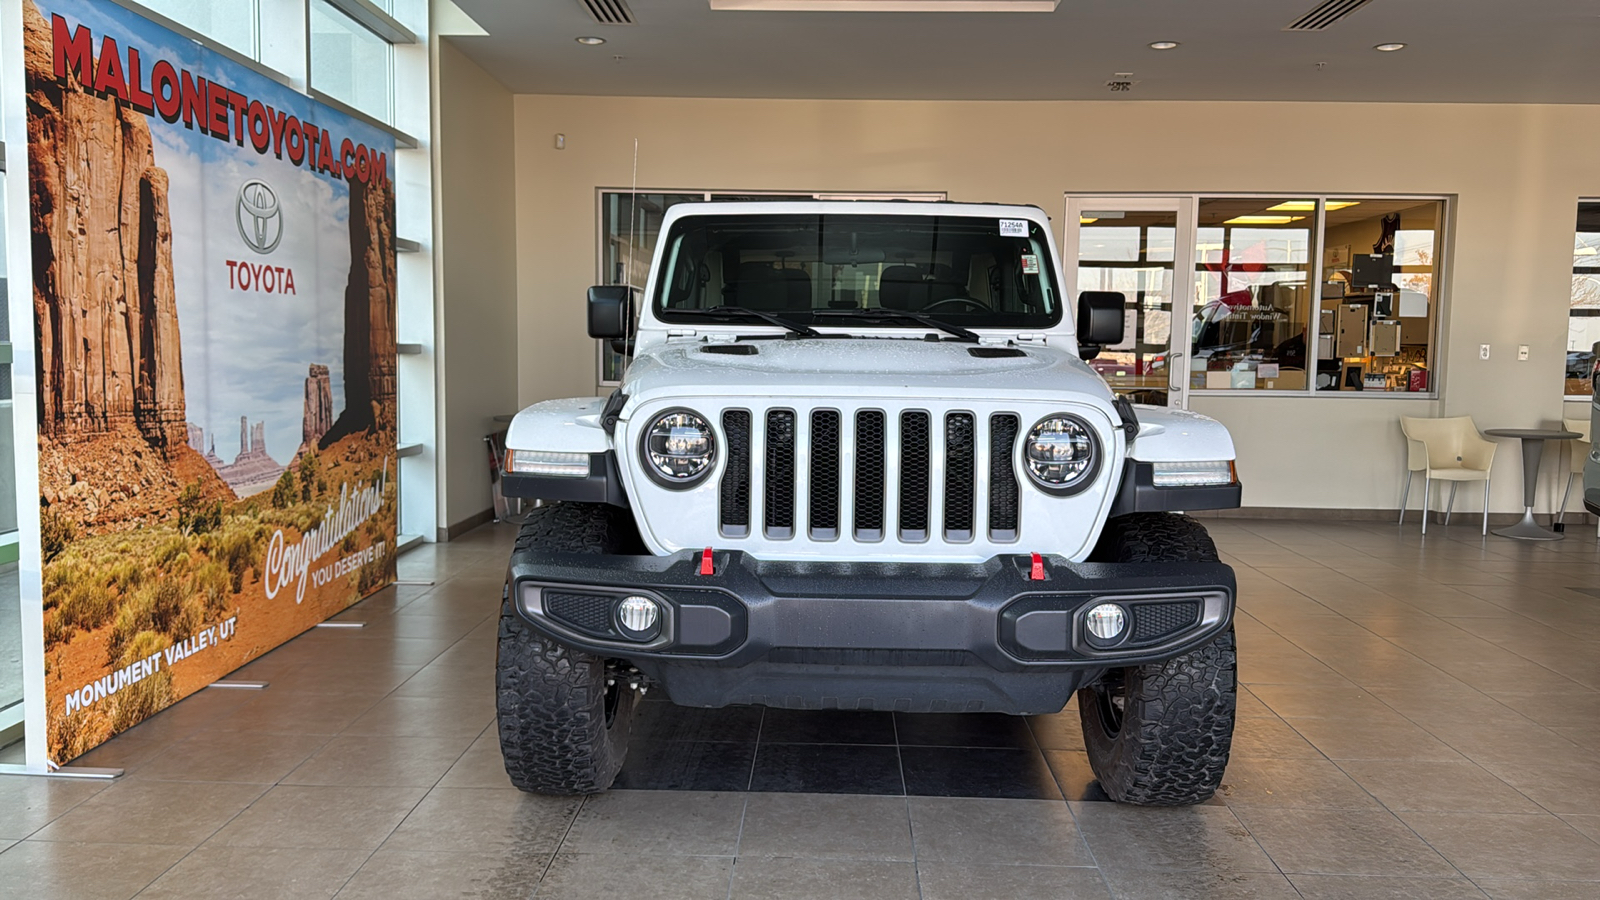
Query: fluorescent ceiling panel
[912, 6]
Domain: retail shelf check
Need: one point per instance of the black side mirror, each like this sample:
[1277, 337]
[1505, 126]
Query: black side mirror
[1100, 321]
[610, 310]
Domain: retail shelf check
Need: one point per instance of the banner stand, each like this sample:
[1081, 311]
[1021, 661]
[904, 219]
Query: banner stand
[80, 772]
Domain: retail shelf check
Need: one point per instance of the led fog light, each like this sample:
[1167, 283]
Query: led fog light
[1106, 622]
[638, 616]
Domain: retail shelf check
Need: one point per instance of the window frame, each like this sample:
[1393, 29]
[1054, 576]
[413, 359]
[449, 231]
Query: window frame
[1595, 271]
[1442, 269]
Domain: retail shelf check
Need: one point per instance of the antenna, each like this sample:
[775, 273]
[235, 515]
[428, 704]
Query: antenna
[633, 241]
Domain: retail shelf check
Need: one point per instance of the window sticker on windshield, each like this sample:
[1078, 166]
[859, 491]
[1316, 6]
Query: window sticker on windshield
[1030, 264]
[1014, 228]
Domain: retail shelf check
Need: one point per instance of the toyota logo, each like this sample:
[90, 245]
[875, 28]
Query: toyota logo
[260, 220]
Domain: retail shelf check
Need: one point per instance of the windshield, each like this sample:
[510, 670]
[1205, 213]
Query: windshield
[966, 270]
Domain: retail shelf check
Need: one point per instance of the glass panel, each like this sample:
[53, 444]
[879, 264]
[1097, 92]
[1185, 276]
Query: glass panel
[1583, 317]
[231, 23]
[10, 595]
[629, 227]
[1378, 297]
[1132, 252]
[350, 63]
[1251, 303]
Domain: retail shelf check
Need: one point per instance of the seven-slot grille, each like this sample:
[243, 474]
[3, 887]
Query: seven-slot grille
[918, 475]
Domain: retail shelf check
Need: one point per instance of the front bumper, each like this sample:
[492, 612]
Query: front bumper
[931, 636]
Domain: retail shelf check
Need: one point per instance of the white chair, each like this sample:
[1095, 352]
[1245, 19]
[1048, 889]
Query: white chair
[1577, 452]
[1445, 450]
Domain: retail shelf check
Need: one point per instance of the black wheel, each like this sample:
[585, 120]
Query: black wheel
[563, 728]
[1159, 734]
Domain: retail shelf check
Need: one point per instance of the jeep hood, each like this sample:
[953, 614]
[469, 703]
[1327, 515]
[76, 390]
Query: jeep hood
[862, 367]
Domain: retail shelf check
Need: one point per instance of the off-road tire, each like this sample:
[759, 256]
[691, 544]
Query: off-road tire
[1169, 745]
[563, 730]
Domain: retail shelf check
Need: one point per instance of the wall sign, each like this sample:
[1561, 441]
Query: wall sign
[214, 290]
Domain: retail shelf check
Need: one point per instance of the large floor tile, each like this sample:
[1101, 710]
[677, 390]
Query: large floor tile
[1306, 783]
[965, 881]
[963, 730]
[606, 876]
[827, 769]
[428, 875]
[47, 870]
[1001, 832]
[1185, 839]
[320, 817]
[682, 766]
[167, 813]
[485, 820]
[808, 879]
[1441, 786]
[426, 717]
[826, 826]
[1510, 846]
[233, 756]
[1342, 842]
[978, 772]
[1524, 889]
[670, 823]
[360, 760]
[1135, 885]
[29, 803]
[1368, 887]
[255, 873]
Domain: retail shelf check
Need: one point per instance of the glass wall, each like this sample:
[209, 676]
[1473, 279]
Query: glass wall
[1583, 316]
[1380, 294]
[228, 22]
[1251, 304]
[630, 224]
[1133, 252]
[350, 63]
[10, 595]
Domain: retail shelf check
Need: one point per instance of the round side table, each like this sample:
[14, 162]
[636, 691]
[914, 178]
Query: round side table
[1532, 452]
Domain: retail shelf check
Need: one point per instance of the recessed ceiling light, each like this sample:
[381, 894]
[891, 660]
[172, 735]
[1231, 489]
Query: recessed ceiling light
[889, 6]
[591, 41]
[1164, 45]
[1389, 48]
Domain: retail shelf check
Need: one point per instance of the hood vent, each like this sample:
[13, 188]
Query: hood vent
[1324, 15]
[608, 12]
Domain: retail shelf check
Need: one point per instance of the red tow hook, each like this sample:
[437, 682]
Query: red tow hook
[1036, 572]
[706, 566]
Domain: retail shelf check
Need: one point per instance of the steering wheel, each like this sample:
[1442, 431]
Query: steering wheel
[968, 301]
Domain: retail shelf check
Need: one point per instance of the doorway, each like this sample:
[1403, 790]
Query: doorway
[1141, 248]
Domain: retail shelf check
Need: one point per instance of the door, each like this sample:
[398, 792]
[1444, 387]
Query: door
[1140, 247]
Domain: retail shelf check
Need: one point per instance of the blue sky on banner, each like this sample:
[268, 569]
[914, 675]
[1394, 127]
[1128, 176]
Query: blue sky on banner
[246, 349]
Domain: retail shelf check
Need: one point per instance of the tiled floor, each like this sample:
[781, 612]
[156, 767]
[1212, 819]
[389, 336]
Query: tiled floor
[1419, 720]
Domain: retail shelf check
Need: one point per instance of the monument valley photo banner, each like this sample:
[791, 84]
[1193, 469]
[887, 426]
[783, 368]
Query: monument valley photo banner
[214, 298]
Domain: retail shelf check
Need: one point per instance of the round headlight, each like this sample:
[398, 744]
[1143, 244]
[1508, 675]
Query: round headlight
[679, 448]
[1062, 453]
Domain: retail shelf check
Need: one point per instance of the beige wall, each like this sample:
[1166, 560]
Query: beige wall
[1517, 172]
[477, 254]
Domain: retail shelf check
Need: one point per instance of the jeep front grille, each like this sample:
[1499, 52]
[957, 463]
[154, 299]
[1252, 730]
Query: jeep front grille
[919, 475]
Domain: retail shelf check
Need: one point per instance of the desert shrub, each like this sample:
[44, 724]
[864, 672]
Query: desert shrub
[88, 605]
[137, 702]
[212, 588]
[308, 471]
[125, 574]
[158, 607]
[286, 491]
[171, 550]
[56, 630]
[349, 544]
[60, 576]
[239, 550]
[196, 514]
[56, 532]
[69, 735]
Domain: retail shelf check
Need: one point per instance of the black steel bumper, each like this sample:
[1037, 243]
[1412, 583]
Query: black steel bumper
[913, 637]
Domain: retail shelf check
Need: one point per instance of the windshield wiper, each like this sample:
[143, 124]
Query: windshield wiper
[741, 312]
[880, 314]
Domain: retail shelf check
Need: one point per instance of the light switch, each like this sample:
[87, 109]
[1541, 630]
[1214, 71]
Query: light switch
[1522, 352]
[1483, 351]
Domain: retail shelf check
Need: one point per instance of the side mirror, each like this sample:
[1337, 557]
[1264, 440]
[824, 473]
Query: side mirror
[610, 310]
[1100, 321]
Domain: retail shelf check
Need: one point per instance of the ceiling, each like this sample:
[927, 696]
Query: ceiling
[1458, 51]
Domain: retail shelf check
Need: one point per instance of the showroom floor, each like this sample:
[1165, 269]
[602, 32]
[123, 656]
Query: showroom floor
[1419, 722]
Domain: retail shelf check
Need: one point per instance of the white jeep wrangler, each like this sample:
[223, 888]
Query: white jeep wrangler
[858, 462]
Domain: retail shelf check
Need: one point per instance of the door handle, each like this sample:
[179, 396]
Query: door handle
[1172, 367]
